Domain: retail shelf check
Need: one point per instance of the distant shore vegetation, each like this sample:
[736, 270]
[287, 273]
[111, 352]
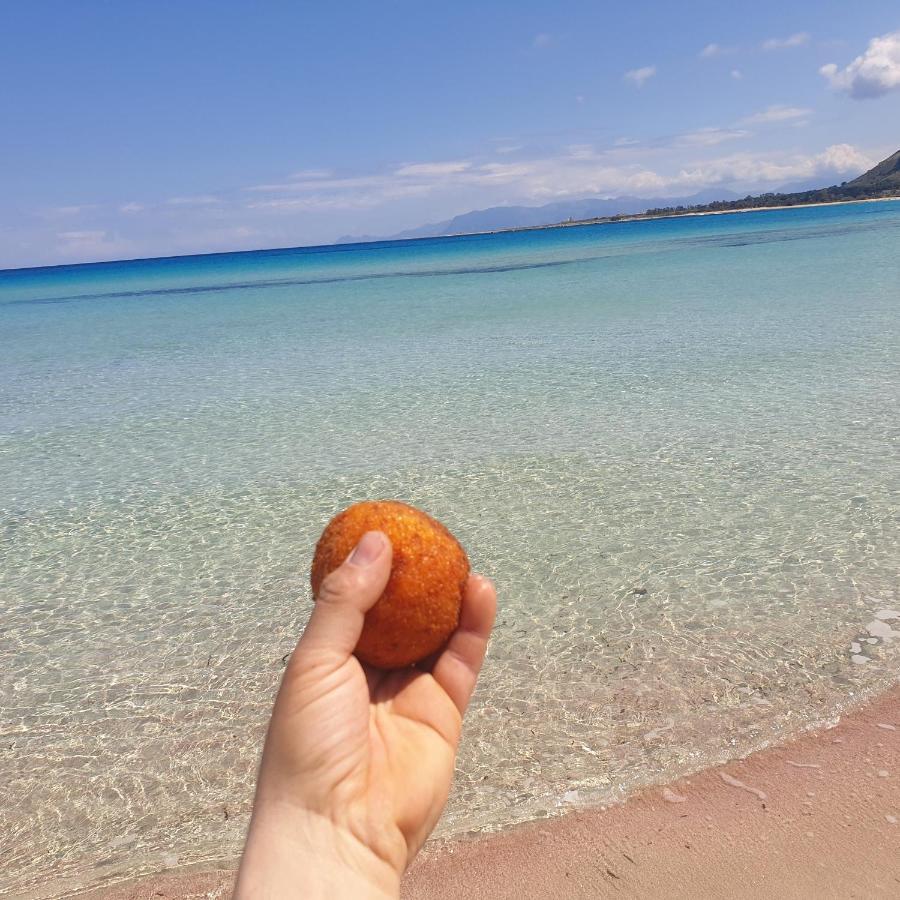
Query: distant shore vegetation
[881, 182]
[836, 194]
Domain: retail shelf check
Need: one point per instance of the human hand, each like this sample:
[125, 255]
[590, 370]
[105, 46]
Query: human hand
[358, 761]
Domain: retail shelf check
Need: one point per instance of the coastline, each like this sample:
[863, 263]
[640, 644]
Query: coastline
[611, 220]
[640, 217]
[643, 217]
[817, 816]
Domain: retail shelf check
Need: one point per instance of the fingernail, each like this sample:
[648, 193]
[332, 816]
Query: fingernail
[369, 548]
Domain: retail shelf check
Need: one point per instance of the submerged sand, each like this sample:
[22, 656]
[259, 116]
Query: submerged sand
[817, 817]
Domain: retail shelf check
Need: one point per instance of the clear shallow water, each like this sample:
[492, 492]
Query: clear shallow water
[673, 445]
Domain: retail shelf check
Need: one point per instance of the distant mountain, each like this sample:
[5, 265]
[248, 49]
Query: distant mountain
[500, 217]
[797, 187]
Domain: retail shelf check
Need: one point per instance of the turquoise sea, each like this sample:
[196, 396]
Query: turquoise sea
[673, 444]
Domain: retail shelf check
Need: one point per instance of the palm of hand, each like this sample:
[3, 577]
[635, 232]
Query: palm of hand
[370, 751]
[377, 750]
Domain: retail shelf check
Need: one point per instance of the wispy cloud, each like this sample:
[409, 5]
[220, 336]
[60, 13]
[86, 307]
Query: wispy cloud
[435, 170]
[710, 137]
[402, 181]
[67, 212]
[355, 182]
[199, 200]
[318, 203]
[310, 174]
[499, 173]
[640, 76]
[795, 40]
[778, 113]
[82, 235]
[872, 74]
[667, 168]
[581, 151]
[355, 192]
[737, 74]
[712, 50]
[131, 208]
[580, 170]
[542, 40]
[714, 135]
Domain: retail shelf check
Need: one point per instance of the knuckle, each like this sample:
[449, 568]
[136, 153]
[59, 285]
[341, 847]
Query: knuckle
[339, 586]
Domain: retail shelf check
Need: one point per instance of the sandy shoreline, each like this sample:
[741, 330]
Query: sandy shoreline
[816, 817]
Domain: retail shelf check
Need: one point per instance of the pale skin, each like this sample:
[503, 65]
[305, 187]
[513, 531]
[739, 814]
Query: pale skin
[358, 761]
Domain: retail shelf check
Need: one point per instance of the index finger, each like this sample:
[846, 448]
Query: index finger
[457, 668]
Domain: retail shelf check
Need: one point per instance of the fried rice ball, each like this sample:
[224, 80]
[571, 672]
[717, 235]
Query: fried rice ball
[419, 608]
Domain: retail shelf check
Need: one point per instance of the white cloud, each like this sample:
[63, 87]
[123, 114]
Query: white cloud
[838, 159]
[542, 40]
[612, 174]
[712, 50]
[581, 151]
[500, 172]
[66, 212]
[737, 74]
[359, 192]
[310, 204]
[311, 174]
[656, 170]
[709, 137]
[351, 182]
[131, 208]
[433, 169]
[777, 113]
[199, 200]
[640, 76]
[795, 40]
[874, 73]
[843, 159]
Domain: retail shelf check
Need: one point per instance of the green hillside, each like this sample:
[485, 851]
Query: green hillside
[884, 176]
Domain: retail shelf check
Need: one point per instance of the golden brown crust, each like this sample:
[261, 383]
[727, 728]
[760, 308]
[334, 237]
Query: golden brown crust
[419, 608]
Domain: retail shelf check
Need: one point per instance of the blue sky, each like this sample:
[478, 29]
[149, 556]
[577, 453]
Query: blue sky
[145, 129]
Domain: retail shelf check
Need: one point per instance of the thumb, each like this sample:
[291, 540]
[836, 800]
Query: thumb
[347, 594]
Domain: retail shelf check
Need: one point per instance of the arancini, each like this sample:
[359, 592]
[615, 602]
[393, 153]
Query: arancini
[419, 608]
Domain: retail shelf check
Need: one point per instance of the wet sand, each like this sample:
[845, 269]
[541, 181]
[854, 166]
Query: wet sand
[818, 817]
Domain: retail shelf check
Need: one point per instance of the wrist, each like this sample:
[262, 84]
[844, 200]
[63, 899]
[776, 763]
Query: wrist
[297, 853]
